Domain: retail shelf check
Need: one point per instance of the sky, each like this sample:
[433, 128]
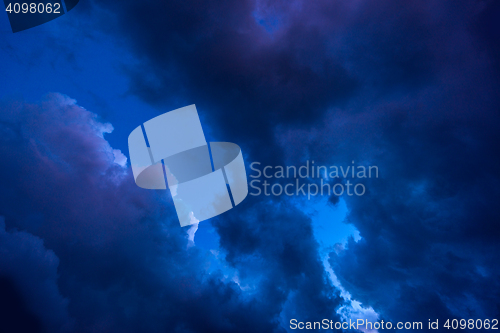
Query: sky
[409, 87]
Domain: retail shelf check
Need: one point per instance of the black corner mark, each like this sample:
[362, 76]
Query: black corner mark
[26, 14]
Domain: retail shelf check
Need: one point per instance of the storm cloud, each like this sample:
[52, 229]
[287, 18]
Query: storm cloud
[409, 87]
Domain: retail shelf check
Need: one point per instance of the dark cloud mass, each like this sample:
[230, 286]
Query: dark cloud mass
[114, 251]
[29, 269]
[411, 87]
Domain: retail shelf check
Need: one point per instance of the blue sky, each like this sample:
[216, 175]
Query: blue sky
[410, 88]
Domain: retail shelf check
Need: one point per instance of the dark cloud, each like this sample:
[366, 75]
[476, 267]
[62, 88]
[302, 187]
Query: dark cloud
[117, 258]
[429, 224]
[216, 55]
[253, 65]
[274, 245]
[14, 314]
[409, 87]
[430, 230]
[28, 285]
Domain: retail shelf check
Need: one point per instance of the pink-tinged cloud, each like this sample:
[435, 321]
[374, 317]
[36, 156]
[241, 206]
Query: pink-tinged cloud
[112, 254]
